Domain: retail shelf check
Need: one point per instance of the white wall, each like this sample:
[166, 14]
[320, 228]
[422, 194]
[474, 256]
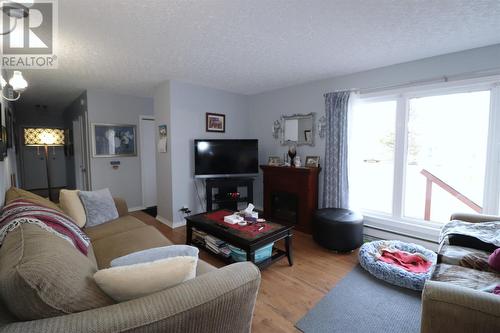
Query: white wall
[184, 113]
[110, 108]
[305, 98]
[164, 160]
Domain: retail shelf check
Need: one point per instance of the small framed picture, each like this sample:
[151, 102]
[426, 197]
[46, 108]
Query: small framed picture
[162, 131]
[312, 161]
[216, 122]
[274, 161]
[162, 138]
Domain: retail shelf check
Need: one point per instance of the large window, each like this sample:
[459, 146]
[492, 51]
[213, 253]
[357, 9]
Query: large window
[446, 157]
[371, 152]
[424, 157]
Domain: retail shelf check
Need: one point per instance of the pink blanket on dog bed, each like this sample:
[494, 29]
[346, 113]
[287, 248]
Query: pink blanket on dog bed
[411, 262]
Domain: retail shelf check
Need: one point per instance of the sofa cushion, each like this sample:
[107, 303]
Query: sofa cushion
[108, 248]
[91, 257]
[204, 267]
[156, 253]
[464, 256]
[16, 193]
[466, 277]
[127, 282]
[99, 206]
[121, 206]
[113, 227]
[72, 205]
[42, 275]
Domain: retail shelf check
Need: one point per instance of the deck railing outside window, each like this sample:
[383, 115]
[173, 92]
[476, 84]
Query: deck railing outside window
[432, 179]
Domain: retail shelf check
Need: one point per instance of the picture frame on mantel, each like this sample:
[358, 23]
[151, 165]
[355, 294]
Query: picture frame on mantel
[312, 162]
[274, 161]
[215, 122]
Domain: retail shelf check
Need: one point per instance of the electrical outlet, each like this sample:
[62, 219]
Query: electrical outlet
[185, 210]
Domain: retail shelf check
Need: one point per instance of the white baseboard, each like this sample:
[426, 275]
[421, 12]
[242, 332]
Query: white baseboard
[171, 224]
[134, 209]
[164, 220]
[179, 224]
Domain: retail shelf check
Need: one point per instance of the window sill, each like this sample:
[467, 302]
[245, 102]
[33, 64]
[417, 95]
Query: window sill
[428, 232]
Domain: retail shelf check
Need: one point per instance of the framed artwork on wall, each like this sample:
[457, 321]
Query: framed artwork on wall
[112, 140]
[162, 131]
[162, 138]
[216, 122]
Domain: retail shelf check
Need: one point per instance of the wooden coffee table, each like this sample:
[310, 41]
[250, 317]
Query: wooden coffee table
[247, 241]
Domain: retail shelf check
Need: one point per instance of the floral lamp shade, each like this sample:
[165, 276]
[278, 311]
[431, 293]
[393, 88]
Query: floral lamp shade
[44, 136]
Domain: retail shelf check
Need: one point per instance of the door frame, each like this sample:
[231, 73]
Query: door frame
[143, 118]
[81, 169]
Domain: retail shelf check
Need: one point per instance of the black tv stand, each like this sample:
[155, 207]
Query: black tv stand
[225, 186]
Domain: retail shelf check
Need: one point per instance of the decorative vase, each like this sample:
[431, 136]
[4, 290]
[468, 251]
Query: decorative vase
[296, 162]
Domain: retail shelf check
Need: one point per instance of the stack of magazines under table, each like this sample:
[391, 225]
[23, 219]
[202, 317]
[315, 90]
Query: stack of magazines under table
[211, 243]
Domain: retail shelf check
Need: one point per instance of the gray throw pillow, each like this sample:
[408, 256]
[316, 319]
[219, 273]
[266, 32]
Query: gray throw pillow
[99, 206]
[156, 253]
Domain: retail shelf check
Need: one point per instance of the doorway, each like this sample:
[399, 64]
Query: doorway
[148, 161]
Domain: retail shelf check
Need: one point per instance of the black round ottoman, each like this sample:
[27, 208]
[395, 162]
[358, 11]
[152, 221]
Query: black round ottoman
[338, 229]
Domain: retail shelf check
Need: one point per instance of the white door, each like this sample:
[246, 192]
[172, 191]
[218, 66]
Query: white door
[34, 169]
[148, 161]
[57, 161]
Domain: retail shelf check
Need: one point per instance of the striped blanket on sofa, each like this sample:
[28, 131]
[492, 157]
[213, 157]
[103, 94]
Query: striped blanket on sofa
[22, 211]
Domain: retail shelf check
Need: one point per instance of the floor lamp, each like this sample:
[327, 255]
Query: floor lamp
[44, 137]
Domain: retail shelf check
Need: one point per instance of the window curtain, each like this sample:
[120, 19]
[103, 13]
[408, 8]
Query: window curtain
[335, 178]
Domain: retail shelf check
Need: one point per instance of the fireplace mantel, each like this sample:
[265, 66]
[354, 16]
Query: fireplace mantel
[299, 182]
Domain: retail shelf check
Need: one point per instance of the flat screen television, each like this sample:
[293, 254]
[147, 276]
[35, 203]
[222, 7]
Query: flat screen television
[225, 158]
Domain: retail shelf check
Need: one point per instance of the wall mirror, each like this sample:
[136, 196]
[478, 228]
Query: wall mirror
[297, 129]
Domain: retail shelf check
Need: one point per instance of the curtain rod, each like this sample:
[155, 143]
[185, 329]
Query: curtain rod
[439, 79]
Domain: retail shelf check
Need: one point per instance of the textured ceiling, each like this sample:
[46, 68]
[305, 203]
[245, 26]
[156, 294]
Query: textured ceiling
[248, 46]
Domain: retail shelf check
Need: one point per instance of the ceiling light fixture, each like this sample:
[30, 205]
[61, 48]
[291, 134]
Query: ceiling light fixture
[17, 84]
[16, 11]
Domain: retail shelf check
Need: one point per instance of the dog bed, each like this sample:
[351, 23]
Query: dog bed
[369, 254]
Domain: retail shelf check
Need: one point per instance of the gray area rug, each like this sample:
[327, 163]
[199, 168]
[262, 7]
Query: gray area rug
[363, 303]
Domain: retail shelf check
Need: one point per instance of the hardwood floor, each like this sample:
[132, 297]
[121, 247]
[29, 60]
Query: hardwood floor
[286, 293]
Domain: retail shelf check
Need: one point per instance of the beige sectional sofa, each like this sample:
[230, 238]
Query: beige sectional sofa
[32, 261]
[453, 300]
